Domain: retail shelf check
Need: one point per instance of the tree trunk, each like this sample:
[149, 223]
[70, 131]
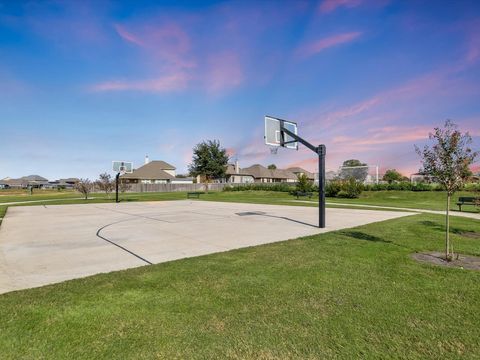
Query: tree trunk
[206, 184]
[447, 231]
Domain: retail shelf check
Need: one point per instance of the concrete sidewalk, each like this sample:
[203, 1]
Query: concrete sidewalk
[41, 245]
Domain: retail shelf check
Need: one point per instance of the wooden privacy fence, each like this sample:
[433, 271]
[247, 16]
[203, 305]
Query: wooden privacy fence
[174, 187]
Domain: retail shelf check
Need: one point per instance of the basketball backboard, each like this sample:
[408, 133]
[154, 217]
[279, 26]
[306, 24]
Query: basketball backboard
[122, 167]
[273, 133]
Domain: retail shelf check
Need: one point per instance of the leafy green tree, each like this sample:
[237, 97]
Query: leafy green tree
[209, 161]
[448, 161]
[392, 175]
[303, 184]
[353, 168]
[272, 167]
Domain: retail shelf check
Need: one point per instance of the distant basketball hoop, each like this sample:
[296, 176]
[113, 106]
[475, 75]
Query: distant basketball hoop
[121, 168]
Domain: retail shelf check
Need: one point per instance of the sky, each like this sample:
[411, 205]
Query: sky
[83, 83]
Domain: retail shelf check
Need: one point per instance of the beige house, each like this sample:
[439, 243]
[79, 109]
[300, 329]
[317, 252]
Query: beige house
[153, 172]
[299, 171]
[260, 174]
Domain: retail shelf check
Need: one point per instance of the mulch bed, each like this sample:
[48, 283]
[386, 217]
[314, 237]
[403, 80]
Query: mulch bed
[436, 258]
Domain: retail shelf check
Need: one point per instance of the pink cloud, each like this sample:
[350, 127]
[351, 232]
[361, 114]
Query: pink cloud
[386, 135]
[124, 34]
[168, 83]
[328, 6]
[473, 50]
[167, 43]
[224, 72]
[315, 47]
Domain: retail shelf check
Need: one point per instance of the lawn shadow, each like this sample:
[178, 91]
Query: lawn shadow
[362, 236]
[442, 228]
[358, 235]
[261, 213]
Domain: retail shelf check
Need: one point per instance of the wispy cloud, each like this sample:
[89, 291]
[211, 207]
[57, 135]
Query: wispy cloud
[473, 42]
[317, 46]
[224, 71]
[386, 135]
[161, 84]
[328, 6]
[126, 35]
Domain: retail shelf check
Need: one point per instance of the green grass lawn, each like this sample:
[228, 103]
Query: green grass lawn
[3, 210]
[354, 293]
[430, 200]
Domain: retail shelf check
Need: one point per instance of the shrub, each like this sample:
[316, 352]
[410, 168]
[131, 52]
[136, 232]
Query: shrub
[332, 188]
[472, 187]
[303, 184]
[422, 187]
[342, 194]
[349, 188]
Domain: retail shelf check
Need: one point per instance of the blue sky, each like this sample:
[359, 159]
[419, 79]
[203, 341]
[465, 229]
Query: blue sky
[84, 83]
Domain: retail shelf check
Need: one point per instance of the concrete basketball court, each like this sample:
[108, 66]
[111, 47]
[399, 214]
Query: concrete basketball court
[47, 244]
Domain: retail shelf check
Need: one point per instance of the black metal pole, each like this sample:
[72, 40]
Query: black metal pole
[116, 187]
[321, 150]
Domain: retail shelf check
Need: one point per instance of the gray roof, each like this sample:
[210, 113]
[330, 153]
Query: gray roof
[297, 170]
[231, 171]
[154, 170]
[34, 178]
[259, 171]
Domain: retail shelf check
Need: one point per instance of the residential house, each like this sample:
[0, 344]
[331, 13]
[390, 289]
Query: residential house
[182, 180]
[298, 171]
[154, 172]
[260, 174]
[24, 182]
[237, 175]
[62, 183]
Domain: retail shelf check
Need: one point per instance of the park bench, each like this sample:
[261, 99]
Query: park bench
[467, 200]
[195, 194]
[300, 194]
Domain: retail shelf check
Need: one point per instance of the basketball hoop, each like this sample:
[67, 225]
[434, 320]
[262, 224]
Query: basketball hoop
[273, 150]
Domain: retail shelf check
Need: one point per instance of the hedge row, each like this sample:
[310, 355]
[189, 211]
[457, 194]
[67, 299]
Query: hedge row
[262, 187]
[408, 186]
[402, 186]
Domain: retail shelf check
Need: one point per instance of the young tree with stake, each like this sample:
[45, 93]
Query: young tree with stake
[448, 161]
[83, 186]
[105, 183]
[209, 161]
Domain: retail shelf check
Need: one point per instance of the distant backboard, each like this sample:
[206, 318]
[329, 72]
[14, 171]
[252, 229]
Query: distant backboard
[122, 167]
[273, 133]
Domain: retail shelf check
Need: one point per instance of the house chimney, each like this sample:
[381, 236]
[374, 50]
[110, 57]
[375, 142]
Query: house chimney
[237, 169]
[147, 160]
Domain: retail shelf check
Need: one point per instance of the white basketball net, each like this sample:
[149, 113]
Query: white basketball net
[273, 150]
